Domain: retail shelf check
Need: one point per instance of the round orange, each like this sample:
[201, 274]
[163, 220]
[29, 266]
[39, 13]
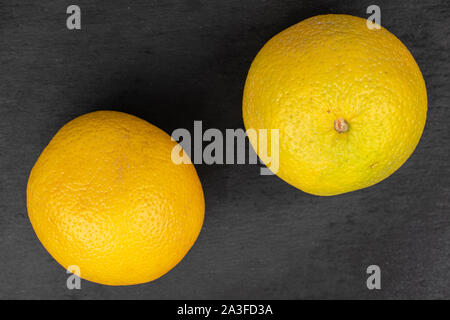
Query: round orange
[349, 102]
[105, 196]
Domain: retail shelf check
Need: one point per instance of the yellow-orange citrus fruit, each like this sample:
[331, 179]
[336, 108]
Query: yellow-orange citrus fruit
[105, 196]
[349, 102]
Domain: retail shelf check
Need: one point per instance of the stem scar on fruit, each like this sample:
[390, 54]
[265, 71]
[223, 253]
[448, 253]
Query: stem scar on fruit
[340, 125]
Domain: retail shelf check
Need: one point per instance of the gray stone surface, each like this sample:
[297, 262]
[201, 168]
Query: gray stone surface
[173, 62]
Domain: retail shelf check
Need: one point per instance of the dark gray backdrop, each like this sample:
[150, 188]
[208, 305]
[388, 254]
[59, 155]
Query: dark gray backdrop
[173, 62]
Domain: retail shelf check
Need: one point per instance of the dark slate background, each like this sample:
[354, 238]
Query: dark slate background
[173, 62]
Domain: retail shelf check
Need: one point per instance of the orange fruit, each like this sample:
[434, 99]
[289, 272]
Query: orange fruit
[349, 102]
[105, 196]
